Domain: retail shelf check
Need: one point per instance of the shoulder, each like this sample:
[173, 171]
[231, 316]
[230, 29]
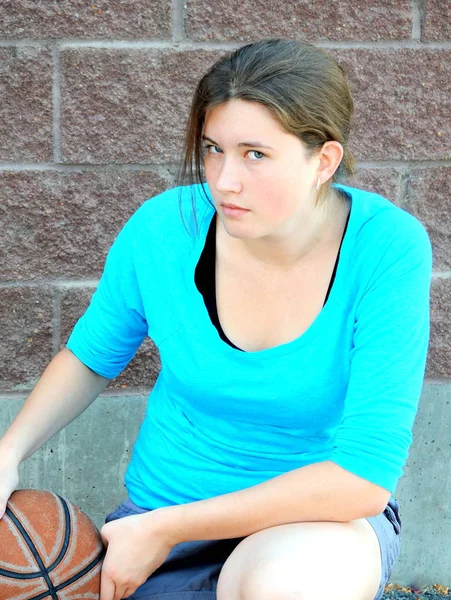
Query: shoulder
[383, 228]
[171, 205]
[171, 216]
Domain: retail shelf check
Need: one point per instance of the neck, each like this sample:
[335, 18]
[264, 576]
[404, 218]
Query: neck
[298, 245]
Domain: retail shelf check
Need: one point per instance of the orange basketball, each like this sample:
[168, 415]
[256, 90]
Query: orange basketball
[49, 549]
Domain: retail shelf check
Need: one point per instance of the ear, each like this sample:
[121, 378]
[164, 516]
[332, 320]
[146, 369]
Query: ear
[329, 157]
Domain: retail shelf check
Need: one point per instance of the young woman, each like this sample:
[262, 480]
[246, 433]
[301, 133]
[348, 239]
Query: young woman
[291, 314]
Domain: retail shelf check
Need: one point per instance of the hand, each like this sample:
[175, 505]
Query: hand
[9, 478]
[136, 546]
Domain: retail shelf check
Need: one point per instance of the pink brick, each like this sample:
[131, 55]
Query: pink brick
[439, 355]
[402, 103]
[380, 181]
[142, 370]
[127, 19]
[61, 224]
[437, 21]
[234, 20]
[427, 197]
[26, 315]
[127, 106]
[25, 104]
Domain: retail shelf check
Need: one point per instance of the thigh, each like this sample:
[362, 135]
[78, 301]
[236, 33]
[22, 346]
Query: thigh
[315, 560]
[309, 561]
[192, 569]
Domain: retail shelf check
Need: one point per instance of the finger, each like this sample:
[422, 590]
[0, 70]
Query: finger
[127, 592]
[104, 539]
[107, 587]
[120, 593]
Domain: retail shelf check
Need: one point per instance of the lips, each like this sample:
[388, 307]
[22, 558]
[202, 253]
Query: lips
[234, 206]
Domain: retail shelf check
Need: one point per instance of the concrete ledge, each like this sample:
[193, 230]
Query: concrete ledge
[86, 463]
[424, 494]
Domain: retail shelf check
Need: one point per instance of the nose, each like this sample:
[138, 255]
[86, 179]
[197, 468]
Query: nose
[228, 179]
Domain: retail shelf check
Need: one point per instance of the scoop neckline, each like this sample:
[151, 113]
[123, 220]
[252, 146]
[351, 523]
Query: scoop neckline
[208, 330]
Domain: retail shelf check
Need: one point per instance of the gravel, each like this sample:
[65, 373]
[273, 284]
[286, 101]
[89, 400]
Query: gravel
[431, 592]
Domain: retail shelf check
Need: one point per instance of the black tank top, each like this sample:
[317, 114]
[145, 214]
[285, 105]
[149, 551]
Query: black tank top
[205, 277]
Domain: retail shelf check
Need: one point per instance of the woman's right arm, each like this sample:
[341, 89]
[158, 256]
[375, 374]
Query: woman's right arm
[66, 388]
[106, 338]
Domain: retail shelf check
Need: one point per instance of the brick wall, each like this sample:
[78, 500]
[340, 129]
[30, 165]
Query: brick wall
[93, 98]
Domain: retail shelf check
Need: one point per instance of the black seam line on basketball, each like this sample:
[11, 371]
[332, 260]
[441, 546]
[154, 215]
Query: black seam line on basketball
[69, 581]
[67, 532]
[15, 574]
[83, 572]
[35, 553]
[61, 554]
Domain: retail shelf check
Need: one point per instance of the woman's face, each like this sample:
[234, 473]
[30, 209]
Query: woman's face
[252, 162]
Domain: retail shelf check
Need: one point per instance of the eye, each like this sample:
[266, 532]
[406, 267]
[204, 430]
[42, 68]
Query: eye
[208, 146]
[257, 152]
[208, 149]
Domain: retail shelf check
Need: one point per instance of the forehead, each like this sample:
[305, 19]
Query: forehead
[241, 117]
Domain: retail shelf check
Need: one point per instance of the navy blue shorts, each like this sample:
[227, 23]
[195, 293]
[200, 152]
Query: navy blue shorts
[191, 569]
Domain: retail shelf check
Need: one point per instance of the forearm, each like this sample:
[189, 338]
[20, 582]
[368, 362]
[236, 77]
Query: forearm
[318, 492]
[66, 388]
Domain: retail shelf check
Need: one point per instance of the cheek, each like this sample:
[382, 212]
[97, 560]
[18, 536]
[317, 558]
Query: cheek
[213, 170]
[277, 197]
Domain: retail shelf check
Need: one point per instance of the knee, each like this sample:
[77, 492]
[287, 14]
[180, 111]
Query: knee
[283, 580]
[264, 580]
[303, 562]
[276, 580]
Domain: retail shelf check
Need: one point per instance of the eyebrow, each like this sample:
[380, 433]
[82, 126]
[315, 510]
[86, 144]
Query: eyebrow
[246, 144]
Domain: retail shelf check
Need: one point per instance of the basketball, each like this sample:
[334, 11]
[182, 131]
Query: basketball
[49, 548]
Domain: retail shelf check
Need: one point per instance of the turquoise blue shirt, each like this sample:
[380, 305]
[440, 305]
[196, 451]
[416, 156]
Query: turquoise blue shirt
[219, 419]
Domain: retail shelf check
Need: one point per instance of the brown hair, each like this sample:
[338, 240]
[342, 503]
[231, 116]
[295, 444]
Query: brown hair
[303, 87]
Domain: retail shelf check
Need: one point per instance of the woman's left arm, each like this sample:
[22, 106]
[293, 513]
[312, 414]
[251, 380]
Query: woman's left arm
[321, 491]
[139, 544]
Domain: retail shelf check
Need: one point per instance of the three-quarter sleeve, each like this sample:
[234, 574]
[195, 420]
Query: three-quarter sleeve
[113, 327]
[388, 358]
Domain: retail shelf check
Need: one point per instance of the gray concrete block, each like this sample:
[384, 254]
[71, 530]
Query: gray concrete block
[86, 463]
[424, 494]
